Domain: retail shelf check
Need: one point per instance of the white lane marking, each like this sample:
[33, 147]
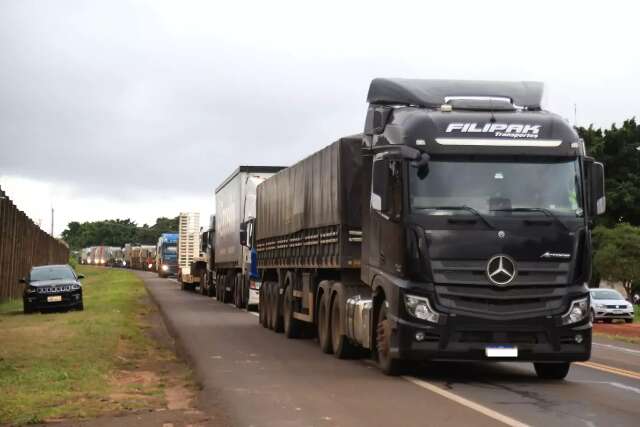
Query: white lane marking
[615, 347]
[612, 384]
[466, 402]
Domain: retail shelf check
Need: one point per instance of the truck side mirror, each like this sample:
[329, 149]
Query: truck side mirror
[596, 200]
[243, 234]
[599, 199]
[380, 187]
[22, 280]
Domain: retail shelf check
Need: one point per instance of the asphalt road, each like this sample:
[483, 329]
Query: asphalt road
[261, 378]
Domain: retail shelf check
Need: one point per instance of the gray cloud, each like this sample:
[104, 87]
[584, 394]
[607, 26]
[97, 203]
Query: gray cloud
[130, 100]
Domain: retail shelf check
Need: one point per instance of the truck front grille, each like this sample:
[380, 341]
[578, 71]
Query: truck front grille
[538, 289]
[473, 272]
[54, 289]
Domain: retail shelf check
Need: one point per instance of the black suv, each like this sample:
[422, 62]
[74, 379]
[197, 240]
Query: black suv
[52, 286]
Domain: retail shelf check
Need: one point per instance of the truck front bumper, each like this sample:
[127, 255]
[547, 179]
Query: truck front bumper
[467, 339]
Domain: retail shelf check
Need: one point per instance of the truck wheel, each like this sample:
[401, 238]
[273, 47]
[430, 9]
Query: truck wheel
[268, 303]
[203, 289]
[552, 371]
[226, 295]
[219, 287]
[277, 320]
[342, 347]
[324, 334]
[628, 320]
[240, 291]
[386, 363]
[262, 307]
[292, 326]
[245, 291]
[209, 282]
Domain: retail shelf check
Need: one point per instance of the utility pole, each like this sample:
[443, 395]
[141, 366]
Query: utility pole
[51, 221]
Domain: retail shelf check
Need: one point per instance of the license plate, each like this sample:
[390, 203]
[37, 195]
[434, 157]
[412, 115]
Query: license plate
[54, 298]
[501, 351]
[617, 312]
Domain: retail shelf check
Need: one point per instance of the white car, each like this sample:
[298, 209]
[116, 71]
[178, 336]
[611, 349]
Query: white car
[608, 304]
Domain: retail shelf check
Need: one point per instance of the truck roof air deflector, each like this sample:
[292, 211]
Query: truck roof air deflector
[434, 92]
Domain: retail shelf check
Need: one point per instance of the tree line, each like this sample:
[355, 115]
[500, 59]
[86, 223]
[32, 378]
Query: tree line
[616, 237]
[116, 232]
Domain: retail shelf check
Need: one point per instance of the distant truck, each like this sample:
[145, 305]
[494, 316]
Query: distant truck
[456, 227]
[167, 255]
[188, 248]
[203, 265]
[236, 204]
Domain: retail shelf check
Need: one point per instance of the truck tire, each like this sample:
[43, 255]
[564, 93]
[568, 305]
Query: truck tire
[240, 291]
[219, 286]
[245, 291]
[342, 347]
[203, 283]
[387, 364]
[262, 307]
[552, 371]
[226, 295]
[278, 321]
[210, 287]
[269, 305]
[324, 333]
[292, 326]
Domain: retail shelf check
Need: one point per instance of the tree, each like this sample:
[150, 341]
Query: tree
[617, 149]
[618, 255]
[116, 232]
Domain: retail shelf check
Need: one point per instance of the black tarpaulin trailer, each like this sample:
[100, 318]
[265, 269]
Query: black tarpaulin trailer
[309, 215]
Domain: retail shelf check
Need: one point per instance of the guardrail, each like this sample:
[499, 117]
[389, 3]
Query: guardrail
[22, 245]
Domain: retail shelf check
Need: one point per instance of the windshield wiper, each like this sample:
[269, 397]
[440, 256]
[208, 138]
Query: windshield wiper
[545, 211]
[463, 208]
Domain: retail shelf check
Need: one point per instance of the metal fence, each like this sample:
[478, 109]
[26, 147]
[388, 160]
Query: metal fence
[22, 245]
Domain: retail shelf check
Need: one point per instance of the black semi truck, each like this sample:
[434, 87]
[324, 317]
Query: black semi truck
[455, 227]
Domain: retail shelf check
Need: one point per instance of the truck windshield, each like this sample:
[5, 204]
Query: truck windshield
[498, 187]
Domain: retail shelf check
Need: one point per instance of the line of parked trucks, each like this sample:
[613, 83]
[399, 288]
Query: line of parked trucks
[456, 226]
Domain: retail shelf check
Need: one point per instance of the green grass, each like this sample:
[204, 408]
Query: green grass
[636, 313]
[61, 365]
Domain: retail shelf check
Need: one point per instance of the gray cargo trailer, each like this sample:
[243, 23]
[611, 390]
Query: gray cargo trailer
[235, 204]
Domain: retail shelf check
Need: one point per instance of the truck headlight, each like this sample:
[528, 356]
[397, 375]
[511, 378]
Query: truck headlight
[578, 310]
[75, 287]
[420, 308]
[601, 306]
[165, 267]
[31, 290]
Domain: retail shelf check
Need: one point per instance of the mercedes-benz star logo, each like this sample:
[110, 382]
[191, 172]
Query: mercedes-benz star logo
[501, 270]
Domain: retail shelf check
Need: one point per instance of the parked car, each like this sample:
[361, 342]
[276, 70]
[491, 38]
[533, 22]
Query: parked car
[608, 304]
[52, 286]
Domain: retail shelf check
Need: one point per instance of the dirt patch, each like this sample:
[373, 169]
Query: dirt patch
[630, 330]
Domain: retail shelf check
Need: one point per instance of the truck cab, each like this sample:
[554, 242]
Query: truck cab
[477, 233]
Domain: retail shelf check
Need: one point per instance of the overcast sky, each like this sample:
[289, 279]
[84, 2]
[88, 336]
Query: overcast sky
[138, 109]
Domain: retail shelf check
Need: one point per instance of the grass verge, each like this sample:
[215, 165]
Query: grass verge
[82, 364]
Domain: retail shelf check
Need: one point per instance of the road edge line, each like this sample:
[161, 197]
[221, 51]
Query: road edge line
[466, 402]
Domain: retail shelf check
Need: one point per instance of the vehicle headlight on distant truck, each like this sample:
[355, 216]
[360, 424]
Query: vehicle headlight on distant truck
[165, 267]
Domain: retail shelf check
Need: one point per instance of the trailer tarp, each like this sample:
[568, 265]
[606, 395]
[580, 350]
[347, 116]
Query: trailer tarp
[323, 189]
